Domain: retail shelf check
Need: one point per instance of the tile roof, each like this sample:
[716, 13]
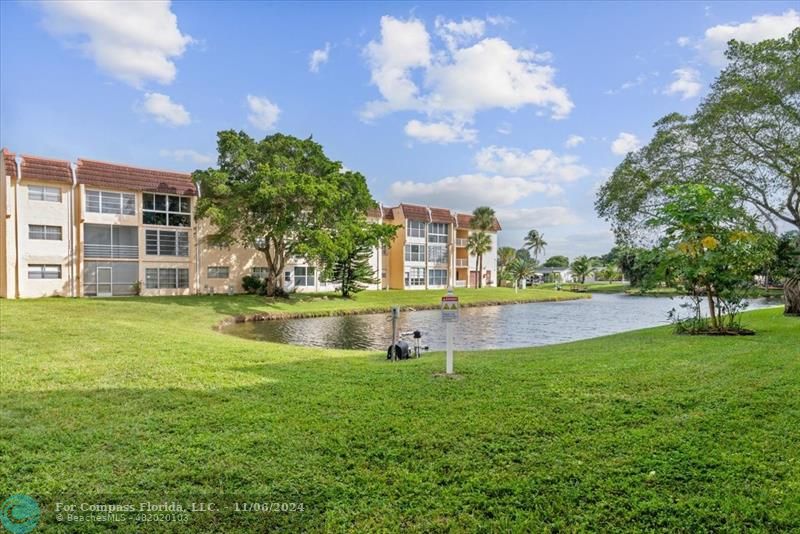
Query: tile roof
[441, 215]
[463, 220]
[416, 213]
[49, 170]
[115, 176]
[10, 163]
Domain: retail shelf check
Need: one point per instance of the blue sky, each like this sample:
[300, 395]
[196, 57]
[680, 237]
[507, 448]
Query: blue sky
[526, 107]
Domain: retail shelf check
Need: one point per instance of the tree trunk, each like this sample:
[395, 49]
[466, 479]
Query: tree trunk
[712, 308]
[791, 293]
[480, 271]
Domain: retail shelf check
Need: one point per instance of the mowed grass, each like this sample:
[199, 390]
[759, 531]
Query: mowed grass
[128, 400]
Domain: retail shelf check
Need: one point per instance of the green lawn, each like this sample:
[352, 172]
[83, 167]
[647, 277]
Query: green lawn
[124, 400]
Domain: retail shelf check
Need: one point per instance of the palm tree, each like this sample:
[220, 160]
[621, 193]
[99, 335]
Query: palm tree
[535, 242]
[482, 220]
[520, 269]
[478, 244]
[581, 268]
[505, 255]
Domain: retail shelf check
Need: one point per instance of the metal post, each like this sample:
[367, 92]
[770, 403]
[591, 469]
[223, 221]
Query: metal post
[449, 335]
[395, 315]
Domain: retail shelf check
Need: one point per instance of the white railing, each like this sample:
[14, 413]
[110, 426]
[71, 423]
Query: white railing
[110, 251]
[461, 283]
[461, 242]
[462, 262]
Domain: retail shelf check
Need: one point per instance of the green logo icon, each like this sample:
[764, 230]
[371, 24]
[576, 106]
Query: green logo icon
[20, 514]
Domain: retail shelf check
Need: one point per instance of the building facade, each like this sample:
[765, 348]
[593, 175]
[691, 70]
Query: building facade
[102, 229]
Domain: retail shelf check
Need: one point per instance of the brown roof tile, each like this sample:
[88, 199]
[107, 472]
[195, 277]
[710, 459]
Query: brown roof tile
[463, 220]
[10, 163]
[415, 213]
[441, 215]
[49, 170]
[115, 176]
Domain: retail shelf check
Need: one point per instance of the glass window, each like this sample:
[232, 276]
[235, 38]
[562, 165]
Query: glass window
[415, 229]
[438, 232]
[437, 254]
[110, 241]
[151, 278]
[304, 276]
[166, 210]
[39, 231]
[437, 277]
[415, 276]
[166, 278]
[166, 243]
[217, 272]
[261, 272]
[415, 252]
[108, 202]
[287, 276]
[44, 272]
[44, 193]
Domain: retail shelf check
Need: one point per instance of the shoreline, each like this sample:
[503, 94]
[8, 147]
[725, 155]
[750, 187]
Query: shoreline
[277, 316]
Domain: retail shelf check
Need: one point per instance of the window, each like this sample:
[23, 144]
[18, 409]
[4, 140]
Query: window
[437, 254]
[415, 276]
[110, 241]
[167, 210]
[438, 232]
[217, 272]
[437, 277]
[260, 272]
[50, 233]
[287, 276]
[107, 202]
[166, 243]
[304, 276]
[166, 278]
[415, 252]
[42, 192]
[415, 229]
[44, 272]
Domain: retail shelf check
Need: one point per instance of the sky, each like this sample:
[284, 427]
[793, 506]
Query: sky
[525, 107]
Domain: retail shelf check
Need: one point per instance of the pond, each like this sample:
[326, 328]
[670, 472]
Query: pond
[490, 327]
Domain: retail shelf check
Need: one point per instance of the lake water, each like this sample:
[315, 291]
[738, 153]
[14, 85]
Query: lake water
[490, 327]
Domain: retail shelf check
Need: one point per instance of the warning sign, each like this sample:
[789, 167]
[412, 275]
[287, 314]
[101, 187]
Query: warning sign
[449, 308]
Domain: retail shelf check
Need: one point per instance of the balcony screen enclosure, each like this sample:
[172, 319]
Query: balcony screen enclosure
[110, 278]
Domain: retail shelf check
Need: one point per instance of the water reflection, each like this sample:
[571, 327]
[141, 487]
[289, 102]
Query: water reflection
[519, 325]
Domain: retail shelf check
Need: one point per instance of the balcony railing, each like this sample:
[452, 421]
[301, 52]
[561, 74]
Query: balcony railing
[461, 242]
[462, 262]
[110, 251]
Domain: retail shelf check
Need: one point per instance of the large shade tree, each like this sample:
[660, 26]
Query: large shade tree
[745, 134]
[281, 196]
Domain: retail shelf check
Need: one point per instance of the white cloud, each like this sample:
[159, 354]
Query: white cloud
[440, 132]
[263, 113]
[404, 45]
[686, 83]
[187, 154]
[527, 218]
[683, 41]
[629, 84]
[318, 57]
[454, 83]
[458, 33]
[624, 143]
[135, 42]
[165, 111]
[469, 190]
[760, 27]
[573, 141]
[504, 128]
[541, 164]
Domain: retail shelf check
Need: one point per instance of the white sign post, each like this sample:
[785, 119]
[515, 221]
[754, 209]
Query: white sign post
[449, 316]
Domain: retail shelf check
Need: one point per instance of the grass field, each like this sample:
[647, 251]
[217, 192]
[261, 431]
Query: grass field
[126, 400]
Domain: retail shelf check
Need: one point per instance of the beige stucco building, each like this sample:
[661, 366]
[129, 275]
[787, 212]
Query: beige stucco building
[102, 229]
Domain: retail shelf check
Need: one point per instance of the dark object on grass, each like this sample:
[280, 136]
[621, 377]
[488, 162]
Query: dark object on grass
[399, 350]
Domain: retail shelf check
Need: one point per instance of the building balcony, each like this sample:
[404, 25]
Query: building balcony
[461, 242]
[462, 262]
[129, 252]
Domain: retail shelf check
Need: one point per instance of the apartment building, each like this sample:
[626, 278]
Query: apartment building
[102, 229]
[430, 249]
